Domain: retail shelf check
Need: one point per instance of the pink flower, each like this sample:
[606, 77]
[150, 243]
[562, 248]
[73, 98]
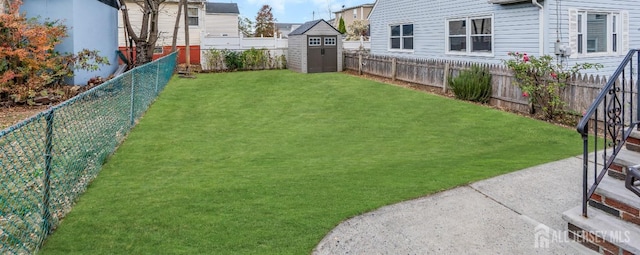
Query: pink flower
[525, 94]
[554, 75]
[584, 113]
[525, 58]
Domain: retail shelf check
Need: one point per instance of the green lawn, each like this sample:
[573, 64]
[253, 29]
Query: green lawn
[268, 162]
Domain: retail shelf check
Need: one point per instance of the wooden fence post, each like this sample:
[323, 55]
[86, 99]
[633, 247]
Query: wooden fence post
[394, 68]
[445, 80]
[359, 63]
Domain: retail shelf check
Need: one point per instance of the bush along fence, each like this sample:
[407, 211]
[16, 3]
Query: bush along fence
[215, 60]
[579, 93]
[47, 161]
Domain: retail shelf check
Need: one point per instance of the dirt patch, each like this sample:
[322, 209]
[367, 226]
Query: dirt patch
[12, 115]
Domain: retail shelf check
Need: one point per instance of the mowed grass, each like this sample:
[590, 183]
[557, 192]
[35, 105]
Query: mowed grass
[269, 162]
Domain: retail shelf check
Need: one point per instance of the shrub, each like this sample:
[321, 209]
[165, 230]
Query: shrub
[543, 81]
[28, 61]
[214, 59]
[472, 85]
[233, 60]
[255, 59]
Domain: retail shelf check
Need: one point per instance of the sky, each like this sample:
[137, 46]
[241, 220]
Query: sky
[294, 11]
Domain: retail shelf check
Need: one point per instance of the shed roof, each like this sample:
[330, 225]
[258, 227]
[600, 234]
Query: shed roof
[112, 3]
[308, 26]
[229, 8]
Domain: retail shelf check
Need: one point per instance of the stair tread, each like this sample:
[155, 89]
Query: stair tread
[635, 133]
[627, 158]
[616, 231]
[615, 189]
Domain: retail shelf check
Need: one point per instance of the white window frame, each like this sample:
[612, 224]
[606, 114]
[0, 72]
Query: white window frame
[401, 37]
[330, 41]
[613, 19]
[468, 35]
[314, 41]
[355, 13]
[197, 16]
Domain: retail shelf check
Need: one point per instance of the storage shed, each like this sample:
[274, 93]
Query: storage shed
[315, 47]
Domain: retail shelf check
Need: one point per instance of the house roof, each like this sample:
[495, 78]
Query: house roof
[309, 25]
[354, 7]
[229, 8]
[286, 25]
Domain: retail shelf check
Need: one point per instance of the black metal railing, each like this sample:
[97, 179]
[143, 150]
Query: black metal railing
[608, 122]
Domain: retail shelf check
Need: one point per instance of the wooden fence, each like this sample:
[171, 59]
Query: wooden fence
[579, 93]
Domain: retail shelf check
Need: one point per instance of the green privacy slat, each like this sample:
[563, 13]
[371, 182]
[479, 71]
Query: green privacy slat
[47, 161]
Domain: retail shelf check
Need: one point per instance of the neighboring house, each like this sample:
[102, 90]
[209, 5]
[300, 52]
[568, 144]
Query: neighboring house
[351, 14]
[285, 28]
[222, 31]
[86, 20]
[595, 31]
[221, 19]
[166, 25]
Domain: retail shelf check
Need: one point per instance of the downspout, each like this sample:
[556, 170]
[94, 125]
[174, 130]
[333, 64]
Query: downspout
[541, 27]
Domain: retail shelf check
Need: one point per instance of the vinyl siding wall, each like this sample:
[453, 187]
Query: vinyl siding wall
[86, 20]
[297, 53]
[219, 24]
[558, 17]
[516, 27]
[166, 24]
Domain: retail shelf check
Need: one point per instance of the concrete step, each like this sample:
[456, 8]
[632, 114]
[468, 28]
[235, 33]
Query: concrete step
[625, 159]
[633, 142]
[614, 198]
[602, 232]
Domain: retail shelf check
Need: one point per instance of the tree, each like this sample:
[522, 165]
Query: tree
[265, 23]
[176, 27]
[28, 59]
[357, 29]
[245, 25]
[145, 39]
[341, 28]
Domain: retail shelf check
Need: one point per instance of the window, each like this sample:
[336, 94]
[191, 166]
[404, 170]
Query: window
[598, 32]
[401, 37]
[329, 41]
[157, 50]
[193, 16]
[315, 41]
[355, 13]
[471, 35]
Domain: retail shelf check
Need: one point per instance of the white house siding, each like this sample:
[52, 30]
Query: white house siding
[166, 24]
[221, 25]
[632, 7]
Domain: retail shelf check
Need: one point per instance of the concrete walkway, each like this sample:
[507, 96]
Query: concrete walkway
[502, 215]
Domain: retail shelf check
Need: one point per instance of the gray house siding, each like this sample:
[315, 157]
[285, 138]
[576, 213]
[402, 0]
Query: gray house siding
[91, 25]
[295, 56]
[516, 27]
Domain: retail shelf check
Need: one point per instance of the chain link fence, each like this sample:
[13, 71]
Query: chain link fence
[47, 161]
